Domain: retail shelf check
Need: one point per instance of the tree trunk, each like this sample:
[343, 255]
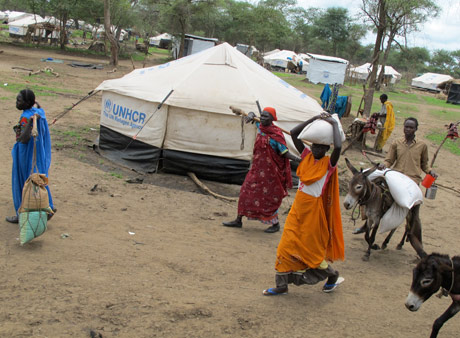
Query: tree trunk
[369, 95]
[384, 61]
[110, 36]
[63, 32]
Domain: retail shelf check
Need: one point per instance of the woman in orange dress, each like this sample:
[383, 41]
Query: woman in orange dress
[312, 233]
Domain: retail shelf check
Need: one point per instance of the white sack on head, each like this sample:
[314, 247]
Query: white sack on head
[392, 218]
[321, 132]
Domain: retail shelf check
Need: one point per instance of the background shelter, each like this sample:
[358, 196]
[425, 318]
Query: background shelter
[326, 69]
[280, 59]
[18, 28]
[430, 81]
[363, 71]
[195, 130]
[453, 95]
[193, 44]
[161, 40]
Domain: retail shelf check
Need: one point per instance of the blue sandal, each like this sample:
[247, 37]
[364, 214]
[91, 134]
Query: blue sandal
[331, 287]
[273, 292]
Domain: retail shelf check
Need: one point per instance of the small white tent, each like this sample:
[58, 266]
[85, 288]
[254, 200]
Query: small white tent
[326, 69]
[281, 58]
[363, 71]
[430, 81]
[195, 130]
[19, 27]
[156, 40]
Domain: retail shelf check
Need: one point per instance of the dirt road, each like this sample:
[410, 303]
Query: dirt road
[152, 259]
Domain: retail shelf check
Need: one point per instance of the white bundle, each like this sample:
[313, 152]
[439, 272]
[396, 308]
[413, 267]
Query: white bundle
[321, 132]
[392, 218]
[403, 189]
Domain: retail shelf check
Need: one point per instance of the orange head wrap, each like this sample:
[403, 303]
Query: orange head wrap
[272, 112]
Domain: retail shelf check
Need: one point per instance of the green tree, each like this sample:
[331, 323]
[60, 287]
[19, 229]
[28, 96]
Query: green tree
[333, 26]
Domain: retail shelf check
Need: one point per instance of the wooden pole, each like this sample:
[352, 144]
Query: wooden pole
[238, 111]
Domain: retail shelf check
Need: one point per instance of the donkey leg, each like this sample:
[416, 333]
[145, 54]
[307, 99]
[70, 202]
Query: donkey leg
[448, 314]
[403, 239]
[387, 240]
[370, 240]
[415, 232]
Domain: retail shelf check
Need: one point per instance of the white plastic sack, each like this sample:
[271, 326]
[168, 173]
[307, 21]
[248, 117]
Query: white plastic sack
[392, 218]
[403, 189]
[321, 132]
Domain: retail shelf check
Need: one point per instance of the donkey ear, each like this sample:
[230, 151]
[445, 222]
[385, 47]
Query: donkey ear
[371, 170]
[350, 166]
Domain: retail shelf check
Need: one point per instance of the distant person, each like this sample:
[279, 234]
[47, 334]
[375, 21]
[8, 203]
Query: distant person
[387, 119]
[268, 180]
[23, 149]
[312, 233]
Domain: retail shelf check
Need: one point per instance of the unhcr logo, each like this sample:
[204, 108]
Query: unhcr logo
[123, 115]
[107, 106]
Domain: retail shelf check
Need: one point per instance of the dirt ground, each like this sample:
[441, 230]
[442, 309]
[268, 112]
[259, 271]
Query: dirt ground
[152, 259]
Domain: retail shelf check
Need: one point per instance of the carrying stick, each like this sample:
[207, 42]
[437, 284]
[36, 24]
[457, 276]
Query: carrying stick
[238, 111]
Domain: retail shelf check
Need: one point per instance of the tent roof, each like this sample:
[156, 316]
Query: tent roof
[272, 52]
[433, 78]
[281, 55]
[212, 80]
[162, 36]
[327, 58]
[29, 20]
[366, 68]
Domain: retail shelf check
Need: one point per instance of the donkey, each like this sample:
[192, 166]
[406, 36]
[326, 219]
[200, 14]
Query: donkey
[377, 199]
[433, 272]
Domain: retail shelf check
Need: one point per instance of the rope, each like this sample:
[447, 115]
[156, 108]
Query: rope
[242, 133]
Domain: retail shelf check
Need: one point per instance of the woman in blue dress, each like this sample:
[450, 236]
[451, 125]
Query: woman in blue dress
[23, 150]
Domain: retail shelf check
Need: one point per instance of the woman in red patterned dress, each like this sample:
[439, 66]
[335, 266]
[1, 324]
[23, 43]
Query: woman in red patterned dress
[269, 178]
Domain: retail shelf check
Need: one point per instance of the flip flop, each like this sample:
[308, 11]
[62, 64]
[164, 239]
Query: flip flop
[272, 292]
[331, 287]
[358, 231]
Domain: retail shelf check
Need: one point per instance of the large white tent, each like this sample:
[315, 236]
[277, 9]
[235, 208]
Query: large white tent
[195, 130]
[363, 71]
[430, 81]
[326, 69]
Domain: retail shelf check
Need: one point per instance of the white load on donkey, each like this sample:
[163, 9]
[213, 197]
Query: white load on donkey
[405, 192]
[387, 196]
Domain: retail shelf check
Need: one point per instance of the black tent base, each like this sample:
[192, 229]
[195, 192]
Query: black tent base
[145, 158]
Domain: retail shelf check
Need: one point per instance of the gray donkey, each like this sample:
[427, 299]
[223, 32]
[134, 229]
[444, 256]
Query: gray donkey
[377, 199]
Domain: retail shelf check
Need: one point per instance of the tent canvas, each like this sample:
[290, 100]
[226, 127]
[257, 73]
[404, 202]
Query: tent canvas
[326, 69]
[280, 59]
[156, 40]
[13, 15]
[19, 27]
[363, 71]
[195, 130]
[430, 81]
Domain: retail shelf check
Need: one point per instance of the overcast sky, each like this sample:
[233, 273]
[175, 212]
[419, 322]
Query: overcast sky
[442, 32]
